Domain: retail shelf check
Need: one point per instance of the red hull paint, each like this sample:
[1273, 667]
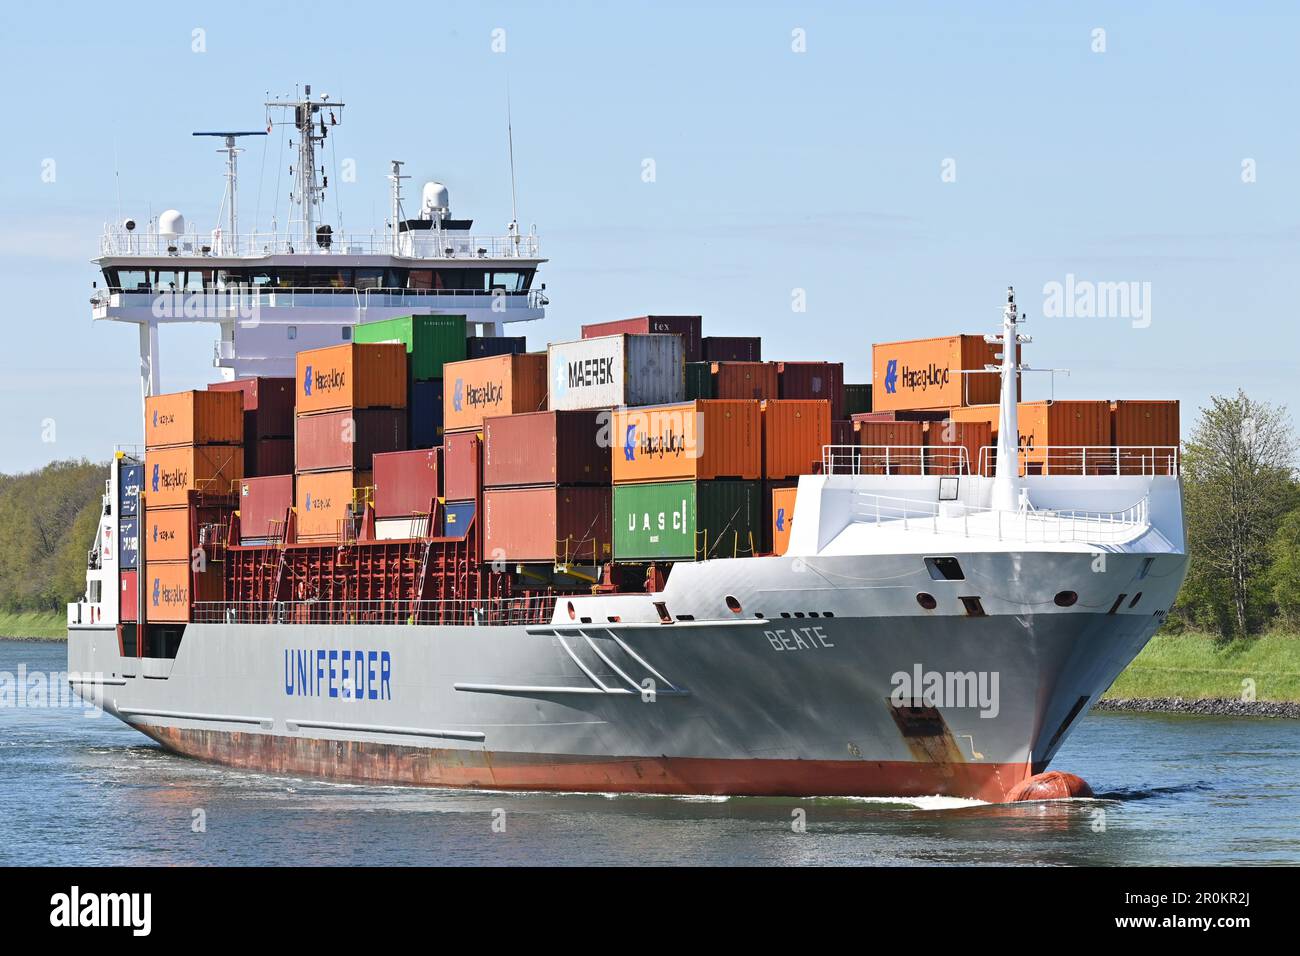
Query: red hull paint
[418, 766]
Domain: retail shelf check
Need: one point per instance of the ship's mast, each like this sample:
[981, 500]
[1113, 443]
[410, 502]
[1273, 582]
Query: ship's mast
[310, 120]
[232, 152]
[396, 177]
[1006, 481]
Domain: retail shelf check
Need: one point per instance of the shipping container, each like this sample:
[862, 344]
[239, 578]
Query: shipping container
[890, 448]
[431, 341]
[457, 516]
[268, 456]
[928, 373]
[552, 524]
[130, 479]
[781, 512]
[547, 448]
[128, 608]
[956, 448]
[689, 327]
[172, 473]
[482, 346]
[704, 440]
[1053, 436]
[128, 542]
[616, 370]
[731, 348]
[497, 385]
[349, 438]
[857, 399]
[172, 588]
[193, 418]
[424, 414]
[1146, 435]
[462, 465]
[842, 433]
[325, 502]
[403, 529]
[687, 520]
[795, 432]
[167, 534]
[406, 482]
[815, 380]
[903, 415]
[699, 380]
[752, 380]
[351, 376]
[264, 505]
[268, 405]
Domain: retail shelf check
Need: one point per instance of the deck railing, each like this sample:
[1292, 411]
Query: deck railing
[449, 244]
[1047, 460]
[484, 612]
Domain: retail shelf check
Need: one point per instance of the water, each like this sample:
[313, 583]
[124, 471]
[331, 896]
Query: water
[1173, 790]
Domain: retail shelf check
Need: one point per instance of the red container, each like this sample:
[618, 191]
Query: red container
[819, 380]
[759, 380]
[556, 525]
[127, 606]
[547, 448]
[268, 405]
[264, 504]
[723, 348]
[890, 448]
[406, 482]
[349, 438]
[268, 456]
[795, 433]
[842, 433]
[462, 463]
[900, 416]
[943, 439]
[689, 327]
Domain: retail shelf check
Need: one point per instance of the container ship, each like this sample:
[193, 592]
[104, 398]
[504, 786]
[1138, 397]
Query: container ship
[395, 545]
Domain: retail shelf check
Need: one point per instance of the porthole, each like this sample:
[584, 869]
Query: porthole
[1066, 599]
[572, 613]
[733, 605]
[926, 601]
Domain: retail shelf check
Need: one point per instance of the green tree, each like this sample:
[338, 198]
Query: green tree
[1284, 575]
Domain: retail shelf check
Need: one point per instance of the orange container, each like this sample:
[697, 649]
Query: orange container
[351, 376]
[927, 373]
[782, 518]
[171, 588]
[194, 418]
[496, 385]
[324, 501]
[795, 430]
[170, 474]
[944, 441]
[1053, 436]
[746, 380]
[700, 440]
[166, 534]
[1146, 435]
[890, 448]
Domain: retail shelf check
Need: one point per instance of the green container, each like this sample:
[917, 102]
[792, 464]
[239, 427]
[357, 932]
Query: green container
[699, 380]
[687, 520]
[857, 399]
[431, 341]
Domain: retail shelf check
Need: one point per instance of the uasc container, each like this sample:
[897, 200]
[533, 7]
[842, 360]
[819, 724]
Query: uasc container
[406, 483]
[547, 448]
[193, 418]
[686, 520]
[172, 473]
[326, 503]
[795, 433]
[355, 375]
[717, 438]
[264, 505]
[430, 341]
[754, 380]
[549, 523]
[689, 327]
[349, 438]
[931, 373]
[497, 385]
[616, 370]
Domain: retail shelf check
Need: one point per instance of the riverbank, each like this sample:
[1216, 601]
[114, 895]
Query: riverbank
[33, 626]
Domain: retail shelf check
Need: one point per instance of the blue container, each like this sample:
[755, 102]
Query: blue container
[481, 346]
[456, 518]
[128, 543]
[129, 479]
[425, 414]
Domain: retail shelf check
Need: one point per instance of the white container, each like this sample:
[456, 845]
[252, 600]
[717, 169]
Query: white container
[399, 529]
[616, 370]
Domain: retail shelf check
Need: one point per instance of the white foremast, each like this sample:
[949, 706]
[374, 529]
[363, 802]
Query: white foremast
[1006, 482]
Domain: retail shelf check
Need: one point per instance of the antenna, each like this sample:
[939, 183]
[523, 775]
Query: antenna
[396, 177]
[232, 172]
[510, 140]
[1006, 484]
[309, 119]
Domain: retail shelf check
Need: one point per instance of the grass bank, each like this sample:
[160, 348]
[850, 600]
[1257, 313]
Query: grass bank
[1198, 666]
[34, 625]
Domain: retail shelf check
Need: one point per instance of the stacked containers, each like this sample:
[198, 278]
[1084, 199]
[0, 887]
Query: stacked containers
[857, 399]
[956, 448]
[889, 448]
[686, 480]
[930, 373]
[815, 380]
[724, 348]
[699, 380]
[615, 370]
[431, 341]
[268, 423]
[1056, 437]
[129, 478]
[689, 327]
[194, 442]
[481, 346]
[351, 402]
[752, 380]
[407, 487]
[795, 433]
[546, 479]
[1146, 436]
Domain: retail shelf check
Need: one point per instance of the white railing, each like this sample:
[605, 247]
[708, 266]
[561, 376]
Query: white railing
[450, 245]
[1148, 460]
[895, 460]
[1027, 524]
[482, 612]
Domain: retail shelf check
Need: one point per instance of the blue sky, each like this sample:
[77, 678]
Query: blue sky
[776, 170]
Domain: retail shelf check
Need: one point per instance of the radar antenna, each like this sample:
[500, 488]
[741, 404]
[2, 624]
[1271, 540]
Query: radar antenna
[309, 119]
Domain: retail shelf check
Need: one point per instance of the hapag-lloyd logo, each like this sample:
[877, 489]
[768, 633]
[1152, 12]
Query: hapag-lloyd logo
[327, 381]
[169, 596]
[170, 479]
[920, 379]
[489, 394]
[661, 435]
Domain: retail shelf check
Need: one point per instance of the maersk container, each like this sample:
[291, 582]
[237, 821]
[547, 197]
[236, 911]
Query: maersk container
[129, 481]
[355, 375]
[731, 348]
[424, 422]
[481, 346]
[701, 441]
[406, 482]
[193, 418]
[268, 405]
[348, 438]
[456, 518]
[795, 432]
[551, 524]
[752, 380]
[616, 370]
[128, 542]
[431, 341]
[699, 380]
[547, 448]
[689, 327]
[170, 474]
[264, 505]
[815, 380]
[687, 520]
[462, 464]
[857, 399]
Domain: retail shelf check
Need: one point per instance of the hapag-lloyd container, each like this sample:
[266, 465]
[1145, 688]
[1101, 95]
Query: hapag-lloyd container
[890, 448]
[795, 432]
[781, 512]
[550, 523]
[496, 385]
[616, 370]
[431, 341]
[172, 587]
[547, 448]
[348, 438]
[689, 327]
[170, 474]
[406, 482]
[928, 373]
[816, 380]
[1054, 435]
[264, 505]
[955, 447]
[687, 520]
[717, 438]
[193, 418]
[462, 462]
[754, 380]
[324, 501]
[355, 375]
[268, 405]
[167, 534]
[731, 348]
